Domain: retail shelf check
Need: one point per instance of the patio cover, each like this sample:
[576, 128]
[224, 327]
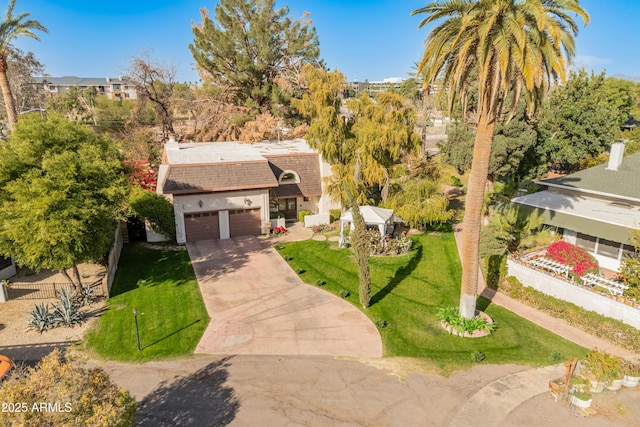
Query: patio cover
[602, 218]
[372, 216]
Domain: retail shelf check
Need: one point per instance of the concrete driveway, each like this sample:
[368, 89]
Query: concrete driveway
[258, 305]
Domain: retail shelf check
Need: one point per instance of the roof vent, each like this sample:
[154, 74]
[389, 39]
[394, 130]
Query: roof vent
[615, 155]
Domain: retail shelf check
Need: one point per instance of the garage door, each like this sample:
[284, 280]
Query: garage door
[245, 222]
[202, 226]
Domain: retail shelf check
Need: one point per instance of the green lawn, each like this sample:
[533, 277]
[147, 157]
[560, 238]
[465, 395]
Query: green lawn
[163, 289]
[407, 290]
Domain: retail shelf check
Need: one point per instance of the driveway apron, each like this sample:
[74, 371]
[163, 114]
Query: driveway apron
[258, 305]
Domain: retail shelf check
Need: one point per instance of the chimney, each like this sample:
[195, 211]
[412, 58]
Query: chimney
[615, 155]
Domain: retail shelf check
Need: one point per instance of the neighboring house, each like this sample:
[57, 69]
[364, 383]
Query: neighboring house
[114, 88]
[597, 207]
[226, 189]
[7, 268]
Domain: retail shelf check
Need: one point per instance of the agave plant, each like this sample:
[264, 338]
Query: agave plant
[85, 297]
[66, 313]
[40, 318]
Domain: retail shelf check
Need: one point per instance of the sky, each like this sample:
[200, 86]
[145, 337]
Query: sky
[364, 39]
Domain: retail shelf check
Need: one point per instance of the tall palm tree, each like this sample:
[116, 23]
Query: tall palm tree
[507, 48]
[11, 27]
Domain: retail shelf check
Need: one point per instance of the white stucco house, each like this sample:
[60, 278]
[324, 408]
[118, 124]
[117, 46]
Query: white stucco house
[226, 189]
[598, 208]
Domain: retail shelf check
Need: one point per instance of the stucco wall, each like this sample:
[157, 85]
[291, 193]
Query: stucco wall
[577, 295]
[220, 202]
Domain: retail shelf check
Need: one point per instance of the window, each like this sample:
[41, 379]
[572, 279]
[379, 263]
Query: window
[289, 177]
[586, 242]
[608, 248]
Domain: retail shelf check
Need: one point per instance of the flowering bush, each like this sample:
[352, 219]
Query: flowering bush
[391, 246]
[571, 255]
[278, 231]
[141, 174]
[322, 227]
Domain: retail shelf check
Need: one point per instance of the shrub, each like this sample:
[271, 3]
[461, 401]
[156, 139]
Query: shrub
[154, 208]
[276, 215]
[334, 214]
[86, 397]
[322, 227]
[571, 255]
[344, 293]
[478, 356]
[451, 316]
[381, 324]
[300, 270]
[392, 246]
[612, 330]
[302, 214]
[320, 282]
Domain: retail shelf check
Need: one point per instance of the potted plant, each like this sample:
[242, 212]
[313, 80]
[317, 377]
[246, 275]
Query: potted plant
[601, 368]
[581, 399]
[631, 373]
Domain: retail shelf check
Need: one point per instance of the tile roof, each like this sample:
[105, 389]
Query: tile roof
[306, 165]
[623, 183]
[226, 176]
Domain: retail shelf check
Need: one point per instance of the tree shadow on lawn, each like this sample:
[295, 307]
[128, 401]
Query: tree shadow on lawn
[401, 274]
[143, 346]
[200, 399]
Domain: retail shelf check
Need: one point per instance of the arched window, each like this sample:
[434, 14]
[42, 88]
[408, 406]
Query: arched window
[289, 177]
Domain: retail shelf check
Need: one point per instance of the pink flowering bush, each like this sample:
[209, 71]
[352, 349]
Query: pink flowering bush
[573, 256]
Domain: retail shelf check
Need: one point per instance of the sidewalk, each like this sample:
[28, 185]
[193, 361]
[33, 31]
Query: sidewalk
[555, 325]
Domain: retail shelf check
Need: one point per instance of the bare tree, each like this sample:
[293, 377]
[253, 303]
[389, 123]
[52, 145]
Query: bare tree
[154, 81]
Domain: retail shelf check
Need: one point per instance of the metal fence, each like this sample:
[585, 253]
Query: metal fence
[44, 290]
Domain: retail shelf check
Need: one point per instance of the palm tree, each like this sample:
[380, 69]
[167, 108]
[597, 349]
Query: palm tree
[507, 48]
[11, 27]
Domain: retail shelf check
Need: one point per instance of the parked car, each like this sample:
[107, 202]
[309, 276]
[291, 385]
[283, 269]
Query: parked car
[5, 366]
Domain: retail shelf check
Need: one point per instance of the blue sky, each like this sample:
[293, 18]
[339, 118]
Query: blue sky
[365, 39]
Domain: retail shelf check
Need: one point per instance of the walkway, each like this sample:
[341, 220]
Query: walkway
[258, 305]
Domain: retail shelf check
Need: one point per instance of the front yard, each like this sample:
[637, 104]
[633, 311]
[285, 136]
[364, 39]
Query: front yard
[161, 286]
[407, 291]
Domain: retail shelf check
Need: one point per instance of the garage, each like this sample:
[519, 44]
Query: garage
[245, 222]
[202, 226]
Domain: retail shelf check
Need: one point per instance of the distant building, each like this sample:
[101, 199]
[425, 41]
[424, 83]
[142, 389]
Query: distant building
[119, 88]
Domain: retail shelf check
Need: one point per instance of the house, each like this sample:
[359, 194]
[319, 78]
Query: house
[226, 189]
[598, 207]
[119, 88]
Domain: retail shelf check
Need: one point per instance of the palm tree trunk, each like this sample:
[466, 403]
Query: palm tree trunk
[473, 216]
[6, 92]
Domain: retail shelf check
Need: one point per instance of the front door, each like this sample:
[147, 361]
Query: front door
[289, 208]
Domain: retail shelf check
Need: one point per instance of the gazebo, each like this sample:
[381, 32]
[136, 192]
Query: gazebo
[382, 218]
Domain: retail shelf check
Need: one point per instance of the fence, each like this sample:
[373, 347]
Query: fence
[112, 262]
[40, 290]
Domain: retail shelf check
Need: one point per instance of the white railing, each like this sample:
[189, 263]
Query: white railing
[550, 265]
[614, 288]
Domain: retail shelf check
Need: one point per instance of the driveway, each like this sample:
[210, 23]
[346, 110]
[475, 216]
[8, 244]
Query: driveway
[258, 305]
